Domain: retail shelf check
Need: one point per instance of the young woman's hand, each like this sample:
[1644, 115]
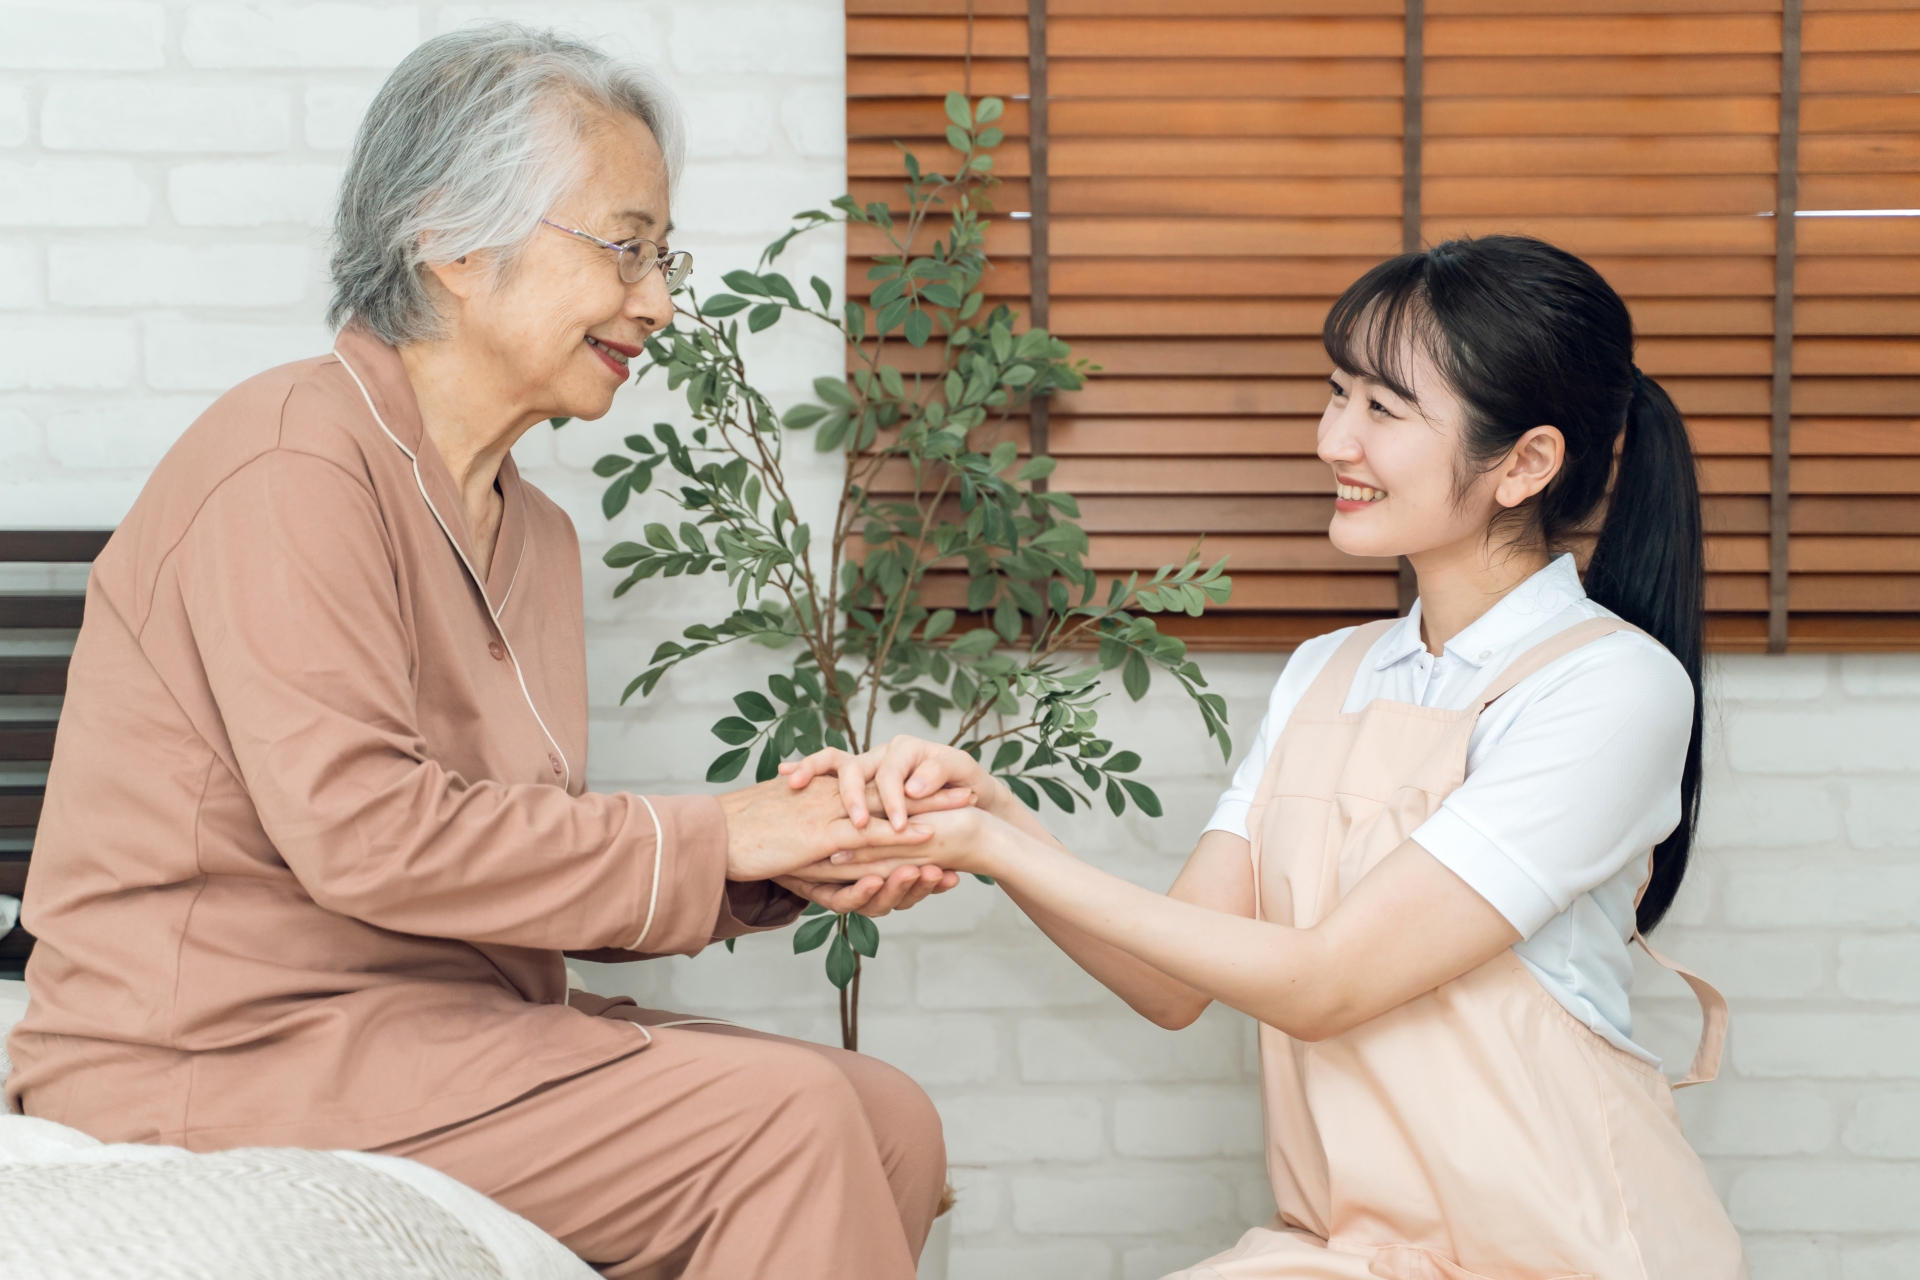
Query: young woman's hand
[908, 774]
[964, 839]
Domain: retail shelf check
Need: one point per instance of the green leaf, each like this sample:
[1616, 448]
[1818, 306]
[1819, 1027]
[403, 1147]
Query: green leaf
[834, 391]
[733, 731]
[1123, 762]
[1027, 795]
[558, 423]
[722, 304]
[892, 314]
[940, 294]
[769, 766]
[938, 625]
[813, 934]
[1135, 676]
[1037, 469]
[840, 962]
[1116, 798]
[864, 934]
[1007, 755]
[764, 316]
[802, 416]
[611, 464]
[1143, 796]
[614, 500]
[959, 111]
[957, 138]
[745, 282]
[1006, 621]
[1057, 793]
[989, 110]
[813, 909]
[728, 766]
[754, 706]
[824, 292]
[918, 328]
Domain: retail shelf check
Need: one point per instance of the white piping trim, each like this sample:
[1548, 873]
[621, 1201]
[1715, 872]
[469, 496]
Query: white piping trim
[566, 766]
[702, 1022]
[659, 856]
[516, 570]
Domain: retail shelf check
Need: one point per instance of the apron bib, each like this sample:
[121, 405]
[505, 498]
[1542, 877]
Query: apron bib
[1480, 1131]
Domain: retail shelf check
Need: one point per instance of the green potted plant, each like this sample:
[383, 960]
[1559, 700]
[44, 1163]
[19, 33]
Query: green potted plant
[953, 583]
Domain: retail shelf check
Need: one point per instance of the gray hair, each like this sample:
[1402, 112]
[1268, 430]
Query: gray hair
[469, 143]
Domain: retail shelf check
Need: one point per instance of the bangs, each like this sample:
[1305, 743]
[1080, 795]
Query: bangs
[1377, 324]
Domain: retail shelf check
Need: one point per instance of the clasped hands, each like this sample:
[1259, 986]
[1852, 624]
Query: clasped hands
[869, 833]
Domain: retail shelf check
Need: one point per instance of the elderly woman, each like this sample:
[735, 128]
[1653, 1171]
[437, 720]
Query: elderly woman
[317, 836]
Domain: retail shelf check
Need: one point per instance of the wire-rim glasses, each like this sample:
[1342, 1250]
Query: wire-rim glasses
[637, 257]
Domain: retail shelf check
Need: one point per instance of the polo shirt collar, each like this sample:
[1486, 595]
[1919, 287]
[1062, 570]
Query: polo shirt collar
[1520, 613]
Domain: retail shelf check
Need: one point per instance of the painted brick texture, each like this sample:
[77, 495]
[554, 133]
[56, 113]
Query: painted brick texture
[166, 174]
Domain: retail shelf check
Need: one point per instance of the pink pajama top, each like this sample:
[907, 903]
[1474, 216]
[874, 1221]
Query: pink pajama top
[316, 833]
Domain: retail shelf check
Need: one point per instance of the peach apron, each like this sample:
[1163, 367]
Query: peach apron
[1478, 1132]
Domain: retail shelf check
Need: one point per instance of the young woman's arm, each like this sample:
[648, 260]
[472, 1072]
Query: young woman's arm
[1407, 927]
[1218, 875]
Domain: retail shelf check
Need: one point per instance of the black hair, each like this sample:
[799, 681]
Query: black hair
[1529, 335]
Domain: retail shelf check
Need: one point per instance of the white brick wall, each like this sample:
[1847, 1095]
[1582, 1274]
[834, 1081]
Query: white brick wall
[166, 170]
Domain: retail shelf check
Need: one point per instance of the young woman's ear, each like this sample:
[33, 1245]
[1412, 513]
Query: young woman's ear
[1536, 459]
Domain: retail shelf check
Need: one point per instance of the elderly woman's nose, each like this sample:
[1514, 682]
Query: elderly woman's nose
[649, 302]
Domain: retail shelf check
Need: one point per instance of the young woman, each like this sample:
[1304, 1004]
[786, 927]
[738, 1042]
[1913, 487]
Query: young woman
[1425, 877]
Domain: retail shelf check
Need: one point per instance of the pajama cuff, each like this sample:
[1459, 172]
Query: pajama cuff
[1493, 874]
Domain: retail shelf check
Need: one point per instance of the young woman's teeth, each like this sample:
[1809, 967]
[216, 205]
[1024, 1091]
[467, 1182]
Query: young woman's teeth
[1359, 493]
[604, 348]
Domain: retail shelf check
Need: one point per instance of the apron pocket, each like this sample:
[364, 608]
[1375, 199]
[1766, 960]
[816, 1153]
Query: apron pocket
[1407, 1262]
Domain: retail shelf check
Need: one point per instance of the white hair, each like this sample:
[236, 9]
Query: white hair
[470, 142]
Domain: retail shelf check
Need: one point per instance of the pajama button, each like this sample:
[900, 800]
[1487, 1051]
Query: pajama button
[555, 762]
[494, 648]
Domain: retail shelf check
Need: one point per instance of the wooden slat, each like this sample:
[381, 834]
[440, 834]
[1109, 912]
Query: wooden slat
[1533, 36]
[20, 806]
[1525, 157]
[52, 546]
[1588, 76]
[36, 677]
[1862, 32]
[1860, 72]
[1636, 196]
[1655, 116]
[23, 609]
[1182, 37]
[25, 740]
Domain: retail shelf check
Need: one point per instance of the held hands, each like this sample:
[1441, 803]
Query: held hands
[776, 829]
[910, 782]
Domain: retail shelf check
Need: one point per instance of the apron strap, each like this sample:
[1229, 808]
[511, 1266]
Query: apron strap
[1328, 693]
[1713, 1018]
[1549, 650]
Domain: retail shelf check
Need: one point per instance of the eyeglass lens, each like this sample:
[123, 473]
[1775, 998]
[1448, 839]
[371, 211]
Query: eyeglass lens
[639, 259]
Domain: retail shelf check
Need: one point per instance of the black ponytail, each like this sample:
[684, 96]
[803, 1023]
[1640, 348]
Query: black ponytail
[1529, 335]
[1649, 567]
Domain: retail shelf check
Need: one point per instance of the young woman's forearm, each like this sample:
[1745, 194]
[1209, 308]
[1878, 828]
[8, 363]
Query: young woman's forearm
[1160, 999]
[1409, 926]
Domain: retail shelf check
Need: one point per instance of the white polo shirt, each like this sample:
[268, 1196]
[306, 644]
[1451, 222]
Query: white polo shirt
[1572, 777]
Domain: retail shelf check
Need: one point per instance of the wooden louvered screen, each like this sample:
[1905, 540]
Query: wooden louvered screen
[1645, 143]
[1856, 352]
[1218, 176]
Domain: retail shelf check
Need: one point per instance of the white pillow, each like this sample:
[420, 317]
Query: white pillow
[13, 1007]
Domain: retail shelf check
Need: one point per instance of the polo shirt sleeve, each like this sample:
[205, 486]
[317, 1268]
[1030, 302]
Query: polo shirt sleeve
[1584, 779]
[1230, 815]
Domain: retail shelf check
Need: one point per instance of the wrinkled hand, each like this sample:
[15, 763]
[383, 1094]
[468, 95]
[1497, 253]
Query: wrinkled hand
[908, 775]
[874, 893]
[775, 828]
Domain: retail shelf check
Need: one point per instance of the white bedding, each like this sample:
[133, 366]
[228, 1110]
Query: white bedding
[81, 1210]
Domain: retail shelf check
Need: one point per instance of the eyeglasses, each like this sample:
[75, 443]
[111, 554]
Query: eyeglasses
[637, 257]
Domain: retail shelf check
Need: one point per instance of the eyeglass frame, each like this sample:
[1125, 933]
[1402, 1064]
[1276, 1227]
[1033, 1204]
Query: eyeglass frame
[662, 260]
